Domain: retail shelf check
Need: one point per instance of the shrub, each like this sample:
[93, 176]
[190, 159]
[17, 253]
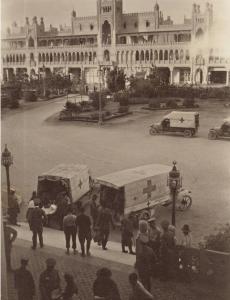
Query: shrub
[189, 103]
[95, 100]
[14, 103]
[122, 97]
[123, 109]
[30, 96]
[154, 103]
[73, 107]
[171, 104]
[220, 241]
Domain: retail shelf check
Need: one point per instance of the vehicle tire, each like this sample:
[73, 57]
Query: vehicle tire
[185, 203]
[153, 131]
[188, 133]
[212, 135]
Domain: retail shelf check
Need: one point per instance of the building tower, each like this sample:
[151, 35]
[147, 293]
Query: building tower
[109, 14]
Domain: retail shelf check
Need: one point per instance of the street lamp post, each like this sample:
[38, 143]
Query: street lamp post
[43, 80]
[174, 183]
[100, 98]
[7, 161]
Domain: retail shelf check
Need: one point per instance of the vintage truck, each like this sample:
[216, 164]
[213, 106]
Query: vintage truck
[139, 189]
[221, 131]
[183, 122]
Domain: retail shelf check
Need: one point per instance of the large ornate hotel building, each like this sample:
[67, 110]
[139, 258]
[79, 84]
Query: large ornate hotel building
[131, 41]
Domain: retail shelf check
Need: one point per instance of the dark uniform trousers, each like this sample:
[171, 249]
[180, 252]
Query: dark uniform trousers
[70, 232]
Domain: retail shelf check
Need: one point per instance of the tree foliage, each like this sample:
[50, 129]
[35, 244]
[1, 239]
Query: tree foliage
[116, 80]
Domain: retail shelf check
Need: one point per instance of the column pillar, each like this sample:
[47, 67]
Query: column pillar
[227, 78]
[171, 76]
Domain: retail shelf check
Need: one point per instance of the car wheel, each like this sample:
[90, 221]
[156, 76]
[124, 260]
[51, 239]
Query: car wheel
[212, 135]
[153, 131]
[188, 133]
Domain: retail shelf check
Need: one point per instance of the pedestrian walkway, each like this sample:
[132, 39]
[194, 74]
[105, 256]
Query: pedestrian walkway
[84, 271]
[56, 238]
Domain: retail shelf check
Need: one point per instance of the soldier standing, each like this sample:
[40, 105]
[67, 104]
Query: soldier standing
[24, 282]
[37, 218]
[13, 209]
[49, 280]
[10, 236]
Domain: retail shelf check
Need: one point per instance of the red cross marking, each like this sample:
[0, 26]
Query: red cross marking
[80, 184]
[149, 189]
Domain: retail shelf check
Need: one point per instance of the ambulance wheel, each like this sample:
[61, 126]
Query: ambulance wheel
[212, 135]
[153, 131]
[185, 203]
[188, 133]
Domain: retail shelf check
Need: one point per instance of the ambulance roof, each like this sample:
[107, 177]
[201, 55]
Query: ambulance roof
[125, 177]
[64, 171]
[175, 115]
[227, 120]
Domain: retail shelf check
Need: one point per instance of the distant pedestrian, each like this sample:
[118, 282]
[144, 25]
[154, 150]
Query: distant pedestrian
[70, 230]
[24, 282]
[94, 209]
[13, 208]
[83, 223]
[37, 218]
[154, 236]
[145, 258]
[70, 288]
[127, 234]
[167, 251]
[49, 281]
[104, 287]
[172, 229]
[103, 224]
[10, 236]
[139, 292]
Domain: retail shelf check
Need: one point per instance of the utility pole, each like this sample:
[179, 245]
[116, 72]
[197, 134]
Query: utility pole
[100, 98]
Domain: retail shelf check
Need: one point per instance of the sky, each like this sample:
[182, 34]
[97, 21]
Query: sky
[57, 12]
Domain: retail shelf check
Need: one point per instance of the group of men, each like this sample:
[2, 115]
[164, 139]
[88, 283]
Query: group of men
[156, 250]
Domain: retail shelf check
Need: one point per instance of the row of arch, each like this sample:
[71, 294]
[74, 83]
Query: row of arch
[67, 57]
[124, 57]
[14, 58]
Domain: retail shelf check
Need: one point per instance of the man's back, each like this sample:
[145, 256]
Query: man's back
[24, 281]
[37, 216]
[105, 218]
[83, 223]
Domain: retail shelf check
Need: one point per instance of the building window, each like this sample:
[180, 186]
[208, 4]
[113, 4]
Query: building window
[147, 23]
[80, 27]
[91, 26]
[125, 25]
[135, 24]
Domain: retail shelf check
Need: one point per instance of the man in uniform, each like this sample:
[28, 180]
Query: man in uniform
[10, 236]
[49, 280]
[127, 234]
[13, 209]
[24, 282]
[103, 224]
[37, 218]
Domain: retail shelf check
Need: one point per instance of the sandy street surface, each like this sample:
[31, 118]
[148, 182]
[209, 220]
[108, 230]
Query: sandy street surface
[39, 142]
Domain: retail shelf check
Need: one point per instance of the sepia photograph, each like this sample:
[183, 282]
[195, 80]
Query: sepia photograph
[115, 150]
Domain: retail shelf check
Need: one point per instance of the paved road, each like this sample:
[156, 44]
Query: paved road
[38, 143]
